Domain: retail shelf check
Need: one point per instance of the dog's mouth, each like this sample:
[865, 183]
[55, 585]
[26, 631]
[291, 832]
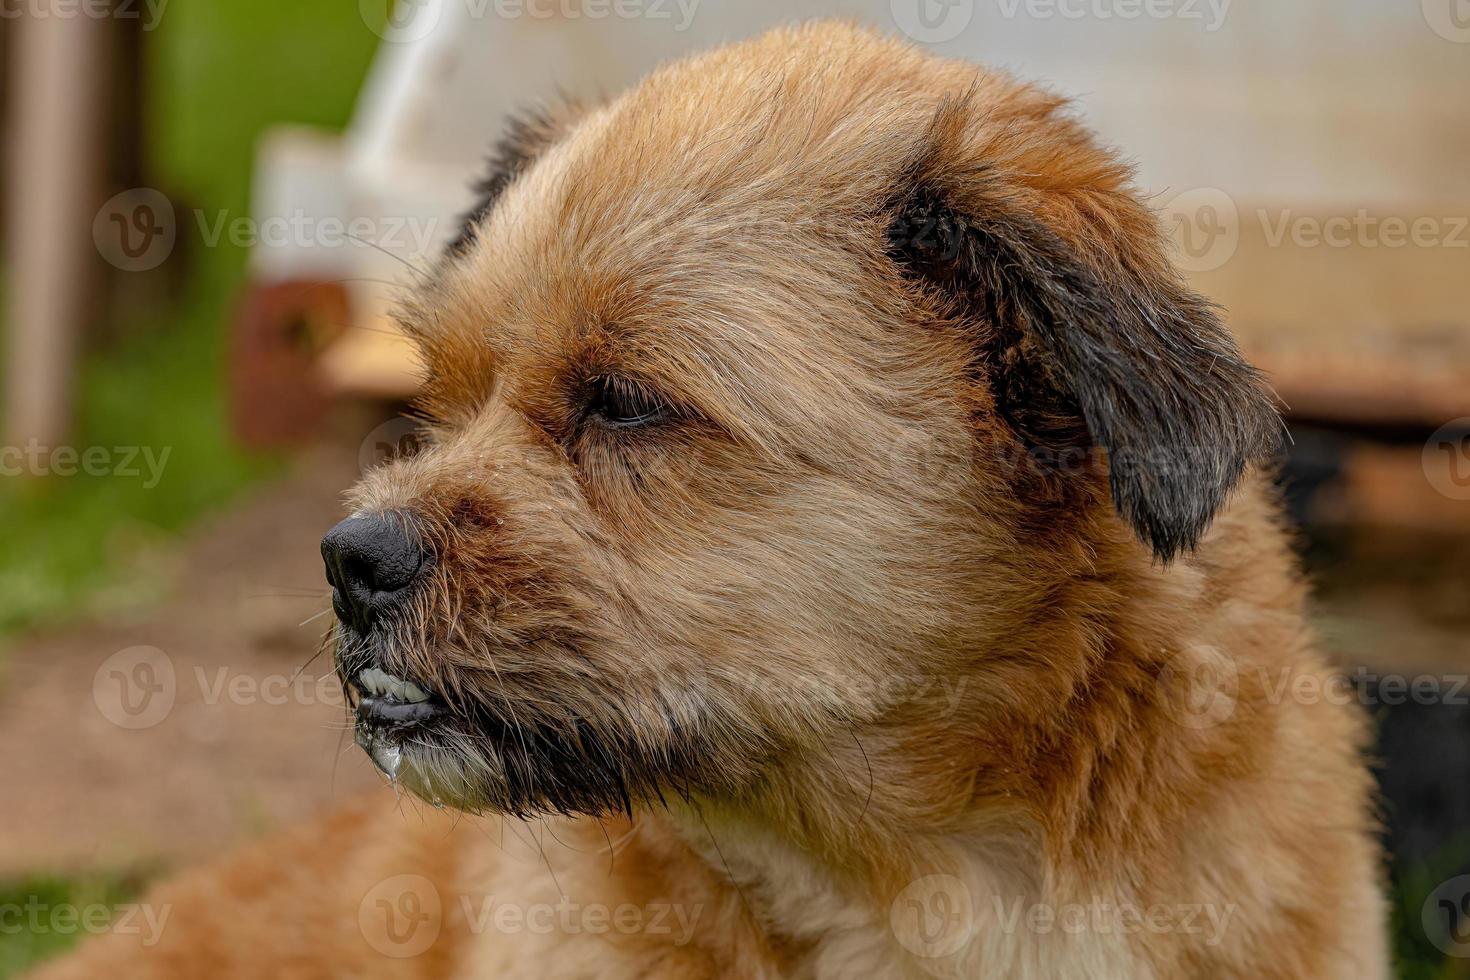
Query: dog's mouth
[389, 711]
[590, 750]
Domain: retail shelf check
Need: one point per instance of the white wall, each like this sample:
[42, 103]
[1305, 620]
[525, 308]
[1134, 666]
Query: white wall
[1287, 100]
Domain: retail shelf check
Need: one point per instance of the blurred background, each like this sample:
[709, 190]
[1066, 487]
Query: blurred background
[207, 206]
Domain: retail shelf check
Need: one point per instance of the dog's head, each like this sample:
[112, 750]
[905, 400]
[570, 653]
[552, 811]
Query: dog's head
[756, 395]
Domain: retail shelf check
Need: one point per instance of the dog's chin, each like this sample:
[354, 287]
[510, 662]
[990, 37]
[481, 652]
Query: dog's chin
[431, 772]
[515, 759]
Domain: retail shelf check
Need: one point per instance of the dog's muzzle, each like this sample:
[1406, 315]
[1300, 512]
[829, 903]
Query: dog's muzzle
[372, 565]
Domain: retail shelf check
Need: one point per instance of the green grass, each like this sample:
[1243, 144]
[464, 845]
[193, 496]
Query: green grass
[219, 72]
[42, 916]
[1414, 954]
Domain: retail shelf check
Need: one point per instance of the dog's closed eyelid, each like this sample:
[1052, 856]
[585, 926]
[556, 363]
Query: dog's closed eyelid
[622, 403]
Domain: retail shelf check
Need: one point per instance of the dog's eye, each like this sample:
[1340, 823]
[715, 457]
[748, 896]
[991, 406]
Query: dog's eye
[622, 404]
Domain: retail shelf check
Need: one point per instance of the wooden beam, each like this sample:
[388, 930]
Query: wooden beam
[51, 185]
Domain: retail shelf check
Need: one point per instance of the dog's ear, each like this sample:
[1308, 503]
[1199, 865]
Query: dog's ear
[528, 134]
[1090, 339]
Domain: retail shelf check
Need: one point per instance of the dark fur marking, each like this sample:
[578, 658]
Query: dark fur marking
[527, 136]
[1126, 359]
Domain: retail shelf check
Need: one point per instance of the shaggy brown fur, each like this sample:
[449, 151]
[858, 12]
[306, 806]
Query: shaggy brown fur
[765, 526]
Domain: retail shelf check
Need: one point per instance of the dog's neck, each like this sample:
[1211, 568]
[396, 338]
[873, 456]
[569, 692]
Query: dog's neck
[1065, 749]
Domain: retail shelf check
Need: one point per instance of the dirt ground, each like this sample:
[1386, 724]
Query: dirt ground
[160, 740]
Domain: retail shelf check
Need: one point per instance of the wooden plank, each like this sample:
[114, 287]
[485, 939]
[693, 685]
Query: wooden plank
[372, 360]
[1357, 317]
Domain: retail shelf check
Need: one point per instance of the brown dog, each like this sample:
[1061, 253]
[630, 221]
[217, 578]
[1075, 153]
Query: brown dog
[812, 550]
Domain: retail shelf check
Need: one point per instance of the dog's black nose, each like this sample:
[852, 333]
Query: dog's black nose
[371, 562]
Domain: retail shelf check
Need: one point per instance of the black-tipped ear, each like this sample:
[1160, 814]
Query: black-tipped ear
[528, 135]
[1095, 350]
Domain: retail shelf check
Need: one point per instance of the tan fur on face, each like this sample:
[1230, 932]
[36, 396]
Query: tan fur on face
[830, 629]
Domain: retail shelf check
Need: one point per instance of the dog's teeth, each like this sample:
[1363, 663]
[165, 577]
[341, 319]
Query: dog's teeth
[371, 680]
[381, 683]
[374, 681]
